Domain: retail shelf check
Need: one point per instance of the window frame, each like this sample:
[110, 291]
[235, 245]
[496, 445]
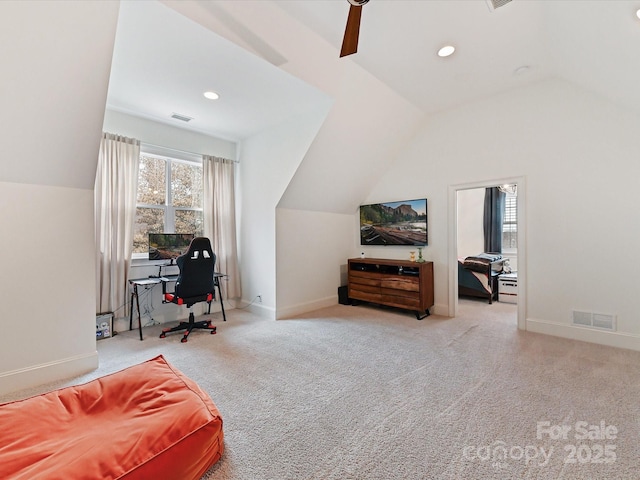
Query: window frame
[168, 208]
[514, 224]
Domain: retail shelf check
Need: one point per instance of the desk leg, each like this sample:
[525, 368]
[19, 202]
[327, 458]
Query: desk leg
[224, 316]
[131, 310]
[135, 289]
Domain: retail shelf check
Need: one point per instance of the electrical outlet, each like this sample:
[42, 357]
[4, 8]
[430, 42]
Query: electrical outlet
[259, 297]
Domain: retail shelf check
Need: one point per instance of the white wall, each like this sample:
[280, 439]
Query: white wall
[470, 215]
[156, 133]
[267, 163]
[578, 153]
[312, 249]
[47, 312]
[54, 89]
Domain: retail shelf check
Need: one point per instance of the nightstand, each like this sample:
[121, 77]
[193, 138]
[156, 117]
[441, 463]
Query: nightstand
[508, 287]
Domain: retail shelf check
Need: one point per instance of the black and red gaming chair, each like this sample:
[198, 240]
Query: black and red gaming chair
[195, 284]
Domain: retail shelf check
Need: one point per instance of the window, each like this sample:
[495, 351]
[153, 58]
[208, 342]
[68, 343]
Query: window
[169, 199]
[510, 222]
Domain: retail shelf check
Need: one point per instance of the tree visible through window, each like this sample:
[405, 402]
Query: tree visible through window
[169, 199]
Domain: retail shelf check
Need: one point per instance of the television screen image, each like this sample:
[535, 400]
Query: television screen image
[394, 223]
[168, 246]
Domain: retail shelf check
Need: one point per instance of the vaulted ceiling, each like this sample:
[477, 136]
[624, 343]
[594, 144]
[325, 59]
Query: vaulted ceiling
[593, 43]
[162, 64]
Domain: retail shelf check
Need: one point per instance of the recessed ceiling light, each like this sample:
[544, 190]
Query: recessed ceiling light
[638, 13]
[211, 95]
[446, 51]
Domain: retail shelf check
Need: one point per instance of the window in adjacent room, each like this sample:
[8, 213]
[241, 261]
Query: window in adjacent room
[510, 221]
[169, 199]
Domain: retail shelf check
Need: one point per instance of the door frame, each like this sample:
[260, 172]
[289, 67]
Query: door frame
[522, 246]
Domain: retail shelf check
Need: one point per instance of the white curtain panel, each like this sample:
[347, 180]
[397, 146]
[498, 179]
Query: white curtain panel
[115, 195]
[219, 213]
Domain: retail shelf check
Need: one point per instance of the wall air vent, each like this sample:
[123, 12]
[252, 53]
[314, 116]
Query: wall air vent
[600, 321]
[182, 118]
[581, 318]
[493, 4]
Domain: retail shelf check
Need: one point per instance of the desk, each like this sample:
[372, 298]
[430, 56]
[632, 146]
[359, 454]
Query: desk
[135, 283]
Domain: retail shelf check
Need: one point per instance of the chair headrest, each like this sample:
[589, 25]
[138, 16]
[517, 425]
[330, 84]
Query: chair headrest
[197, 245]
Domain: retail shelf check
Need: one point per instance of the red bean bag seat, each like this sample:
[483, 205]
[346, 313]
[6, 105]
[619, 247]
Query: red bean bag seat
[148, 421]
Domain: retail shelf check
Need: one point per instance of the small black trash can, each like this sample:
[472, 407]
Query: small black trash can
[343, 295]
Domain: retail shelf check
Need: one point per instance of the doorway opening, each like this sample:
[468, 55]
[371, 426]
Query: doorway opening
[458, 195]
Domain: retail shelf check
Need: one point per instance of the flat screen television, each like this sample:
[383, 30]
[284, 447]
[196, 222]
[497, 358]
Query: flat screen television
[168, 246]
[394, 223]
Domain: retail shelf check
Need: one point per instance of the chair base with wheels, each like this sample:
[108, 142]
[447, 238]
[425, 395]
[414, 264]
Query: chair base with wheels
[189, 325]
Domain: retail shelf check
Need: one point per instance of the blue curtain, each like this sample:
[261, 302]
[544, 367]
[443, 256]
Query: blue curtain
[494, 202]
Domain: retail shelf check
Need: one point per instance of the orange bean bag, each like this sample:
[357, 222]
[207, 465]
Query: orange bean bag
[148, 421]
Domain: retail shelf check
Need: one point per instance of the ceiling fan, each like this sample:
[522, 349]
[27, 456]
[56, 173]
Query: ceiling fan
[352, 31]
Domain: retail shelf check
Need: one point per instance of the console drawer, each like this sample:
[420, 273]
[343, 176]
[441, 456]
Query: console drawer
[402, 302]
[401, 283]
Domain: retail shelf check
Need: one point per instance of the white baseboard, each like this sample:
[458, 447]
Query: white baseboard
[440, 310]
[257, 308]
[263, 311]
[574, 332]
[300, 308]
[47, 372]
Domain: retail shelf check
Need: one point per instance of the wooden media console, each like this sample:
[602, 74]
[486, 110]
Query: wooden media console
[396, 283]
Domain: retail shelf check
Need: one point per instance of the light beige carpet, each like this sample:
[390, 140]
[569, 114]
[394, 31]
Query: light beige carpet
[370, 393]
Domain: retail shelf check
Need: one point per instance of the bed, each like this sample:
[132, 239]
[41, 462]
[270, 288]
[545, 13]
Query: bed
[478, 275]
[147, 421]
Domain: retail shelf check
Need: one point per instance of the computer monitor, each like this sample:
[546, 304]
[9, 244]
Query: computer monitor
[168, 246]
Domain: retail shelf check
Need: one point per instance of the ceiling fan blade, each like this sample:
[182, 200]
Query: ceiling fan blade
[352, 31]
